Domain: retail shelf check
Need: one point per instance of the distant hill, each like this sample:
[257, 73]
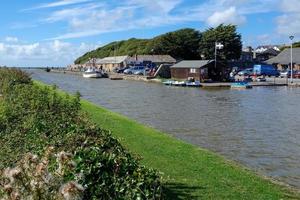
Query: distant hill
[180, 44]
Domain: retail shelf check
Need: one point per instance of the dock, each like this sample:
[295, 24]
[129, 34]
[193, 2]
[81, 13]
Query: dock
[253, 84]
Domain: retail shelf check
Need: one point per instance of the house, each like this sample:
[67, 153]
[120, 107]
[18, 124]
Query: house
[154, 60]
[199, 70]
[266, 52]
[266, 55]
[283, 60]
[110, 63]
[77, 67]
[263, 48]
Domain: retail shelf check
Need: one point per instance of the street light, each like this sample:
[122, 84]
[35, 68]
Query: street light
[291, 38]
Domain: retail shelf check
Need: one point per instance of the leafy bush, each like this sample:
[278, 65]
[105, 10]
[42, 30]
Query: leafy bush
[32, 179]
[33, 117]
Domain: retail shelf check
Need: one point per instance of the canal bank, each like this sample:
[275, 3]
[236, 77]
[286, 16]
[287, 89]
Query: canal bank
[275, 82]
[189, 172]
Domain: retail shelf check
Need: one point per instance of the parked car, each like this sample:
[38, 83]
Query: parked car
[265, 70]
[121, 70]
[135, 69]
[246, 72]
[297, 74]
[287, 73]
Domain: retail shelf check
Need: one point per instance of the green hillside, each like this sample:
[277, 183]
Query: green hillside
[181, 44]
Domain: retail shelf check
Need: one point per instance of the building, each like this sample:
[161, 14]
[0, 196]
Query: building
[283, 60]
[155, 60]
[77, 67]
[110, 63]
[263, 48]
[266, 55]
[266, 52]
[200, 70]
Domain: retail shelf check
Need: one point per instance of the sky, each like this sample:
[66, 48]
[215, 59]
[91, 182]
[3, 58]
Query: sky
[38, 33]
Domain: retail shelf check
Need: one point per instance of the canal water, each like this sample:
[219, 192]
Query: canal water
[258, 127]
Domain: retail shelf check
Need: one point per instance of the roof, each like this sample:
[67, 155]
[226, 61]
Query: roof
[263, 48]
[271, 52]
[112, 60]
[284, 57]
[192, 64]
[153, 58]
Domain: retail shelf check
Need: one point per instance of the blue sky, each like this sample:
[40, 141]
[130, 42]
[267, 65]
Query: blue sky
[55, 32]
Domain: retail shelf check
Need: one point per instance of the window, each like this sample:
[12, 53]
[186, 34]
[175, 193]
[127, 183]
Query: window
[193, 70]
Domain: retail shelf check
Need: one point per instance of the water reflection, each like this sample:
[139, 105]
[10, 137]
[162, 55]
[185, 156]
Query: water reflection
[257, 127]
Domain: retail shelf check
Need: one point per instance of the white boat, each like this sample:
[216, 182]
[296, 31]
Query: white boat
[179, 83]
[168, 82]
[92, 73]
[240, 85]
[193, 84]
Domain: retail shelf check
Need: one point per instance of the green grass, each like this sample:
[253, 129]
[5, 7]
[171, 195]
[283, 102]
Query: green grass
[189, 172]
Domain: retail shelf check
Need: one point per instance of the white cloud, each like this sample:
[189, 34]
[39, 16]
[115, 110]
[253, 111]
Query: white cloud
[289, 22]
[96, 18]
[91, 17]
[55, 52]
[11, 39]
[58, 4]
[229, 16]
[290, 5]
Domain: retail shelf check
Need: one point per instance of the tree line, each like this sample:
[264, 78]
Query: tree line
[183, 44]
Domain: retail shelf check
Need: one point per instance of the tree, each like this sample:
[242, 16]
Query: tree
[181, 44]
[225, 34]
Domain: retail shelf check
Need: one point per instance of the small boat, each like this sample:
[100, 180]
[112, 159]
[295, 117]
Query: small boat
[261, 79]
[92, 73]
[240, 85]
[193, 84]
[179, 83]
[168, 82]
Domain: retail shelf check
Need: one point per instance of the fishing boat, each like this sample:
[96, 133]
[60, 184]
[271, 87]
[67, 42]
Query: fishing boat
[92, 73]
[241, 85]
[193, 84]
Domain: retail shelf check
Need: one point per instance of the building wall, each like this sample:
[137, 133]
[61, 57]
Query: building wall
[185, 73]
[284, 67]
[109, 67]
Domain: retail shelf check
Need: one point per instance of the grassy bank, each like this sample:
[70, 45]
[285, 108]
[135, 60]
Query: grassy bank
[190, 172]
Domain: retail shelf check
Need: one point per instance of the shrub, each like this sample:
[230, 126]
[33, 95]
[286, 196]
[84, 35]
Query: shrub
[33, 117]
[32, 179]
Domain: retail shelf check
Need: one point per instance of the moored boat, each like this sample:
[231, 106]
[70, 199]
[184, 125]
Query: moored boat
[240, 85]
[193, 84]
[179, 83]
[92, 73]
[168, 82]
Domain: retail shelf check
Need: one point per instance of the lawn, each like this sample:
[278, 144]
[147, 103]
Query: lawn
[189, 172]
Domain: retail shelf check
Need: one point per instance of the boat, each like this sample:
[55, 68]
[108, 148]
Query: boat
[240, 85]
[179, 83]
[92, 73]
[193, 84]
[168, 82]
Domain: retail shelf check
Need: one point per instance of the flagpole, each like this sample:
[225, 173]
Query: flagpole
[215, 55]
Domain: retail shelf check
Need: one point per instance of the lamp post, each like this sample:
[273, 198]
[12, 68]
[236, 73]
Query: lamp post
[291, 38]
